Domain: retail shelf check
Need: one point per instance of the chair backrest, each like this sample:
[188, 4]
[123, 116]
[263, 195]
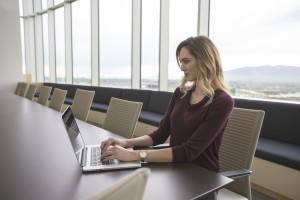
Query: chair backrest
[18, 88]
[130, 187]
[82, 103]
[122, 116]
[239, 144]
[31, 91]
[57, 99]
[23, 89]
[44, 94]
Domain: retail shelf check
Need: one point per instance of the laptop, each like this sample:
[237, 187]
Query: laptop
[88, 156]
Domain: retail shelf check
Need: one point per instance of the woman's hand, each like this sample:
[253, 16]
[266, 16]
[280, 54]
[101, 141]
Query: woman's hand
[111, 142]
[118, 152]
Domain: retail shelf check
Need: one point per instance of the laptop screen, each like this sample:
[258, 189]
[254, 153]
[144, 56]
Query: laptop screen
[73, 132]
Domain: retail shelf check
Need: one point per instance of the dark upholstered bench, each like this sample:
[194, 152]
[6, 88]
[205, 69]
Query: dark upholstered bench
[158, 104]
[103, 96]
[155, 103]
[279, 140]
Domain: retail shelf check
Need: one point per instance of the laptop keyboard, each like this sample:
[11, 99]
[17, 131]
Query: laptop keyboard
[95, 158]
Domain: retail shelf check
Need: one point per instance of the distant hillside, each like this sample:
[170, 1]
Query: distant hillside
[264, 74]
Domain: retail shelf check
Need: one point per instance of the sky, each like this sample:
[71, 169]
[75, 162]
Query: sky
[256, 32]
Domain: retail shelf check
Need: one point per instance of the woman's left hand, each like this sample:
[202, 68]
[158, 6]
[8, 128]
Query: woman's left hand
[118, 152]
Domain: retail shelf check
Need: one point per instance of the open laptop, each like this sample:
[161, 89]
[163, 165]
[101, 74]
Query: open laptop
[88, 156]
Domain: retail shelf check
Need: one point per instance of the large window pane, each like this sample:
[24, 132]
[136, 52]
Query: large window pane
[60, 46]
[150, 44]
[260, 46]
[58, 2]
[81, 25]
[44, 4]
[46, 48]
[115, 42]
[183, 24]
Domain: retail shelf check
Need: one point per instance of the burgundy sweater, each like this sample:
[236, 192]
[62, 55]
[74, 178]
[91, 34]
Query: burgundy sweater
[195, 131]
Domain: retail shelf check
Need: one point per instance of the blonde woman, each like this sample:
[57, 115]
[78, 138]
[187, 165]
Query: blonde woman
[196, 117]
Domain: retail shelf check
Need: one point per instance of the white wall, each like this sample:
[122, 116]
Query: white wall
[10, 45]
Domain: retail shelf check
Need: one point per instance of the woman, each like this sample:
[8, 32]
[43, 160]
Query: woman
[196, 117]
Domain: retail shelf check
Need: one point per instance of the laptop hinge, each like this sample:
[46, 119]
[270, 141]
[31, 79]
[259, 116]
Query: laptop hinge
[83, 157]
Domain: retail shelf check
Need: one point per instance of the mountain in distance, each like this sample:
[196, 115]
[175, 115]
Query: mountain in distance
[286, 74]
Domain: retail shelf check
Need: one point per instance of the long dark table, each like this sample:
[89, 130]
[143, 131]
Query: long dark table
[37, 161]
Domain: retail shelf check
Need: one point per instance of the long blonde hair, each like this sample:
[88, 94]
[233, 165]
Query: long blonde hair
[210, 76]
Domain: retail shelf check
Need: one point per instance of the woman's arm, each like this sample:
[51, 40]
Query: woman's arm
[161, 155]
[114, 149]
[139, 141]
[118, 152]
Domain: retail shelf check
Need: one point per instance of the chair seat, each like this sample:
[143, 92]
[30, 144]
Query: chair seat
[225, 194]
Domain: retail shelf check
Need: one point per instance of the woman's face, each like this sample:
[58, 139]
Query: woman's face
[188, 64]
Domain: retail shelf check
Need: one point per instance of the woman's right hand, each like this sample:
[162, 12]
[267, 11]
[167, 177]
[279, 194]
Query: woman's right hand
[111, 142]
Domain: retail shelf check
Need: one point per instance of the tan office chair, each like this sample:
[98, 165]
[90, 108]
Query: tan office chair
[122, 116]
[237, 152]
[44, 94]
[31, 91]
[23, 89]
[131, 187]
[82, 103]
[18, 88]
[57, 99]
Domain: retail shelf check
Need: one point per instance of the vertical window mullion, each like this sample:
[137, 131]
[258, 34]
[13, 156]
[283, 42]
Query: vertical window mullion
[136, 44]
[52, 50]
[95, 41]
[203, 17]
[39, 42]
[68, 43]
[29, 40]
[60, 45]
[164, 45]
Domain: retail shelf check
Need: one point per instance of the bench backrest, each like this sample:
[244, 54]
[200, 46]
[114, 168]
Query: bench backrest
[281, 119]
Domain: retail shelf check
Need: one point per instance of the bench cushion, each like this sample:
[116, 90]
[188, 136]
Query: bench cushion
[281, 121]
[159, 101]
[68, 101]
[279, 152]
[69, 87]
[137, 95]
[150, 118]
[104, 94]
[100, 107]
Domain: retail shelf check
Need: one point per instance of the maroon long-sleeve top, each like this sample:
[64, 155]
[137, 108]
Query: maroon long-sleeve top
[195, 130]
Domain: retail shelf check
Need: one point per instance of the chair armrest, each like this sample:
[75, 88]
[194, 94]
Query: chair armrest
[236, 173]
[160, 146]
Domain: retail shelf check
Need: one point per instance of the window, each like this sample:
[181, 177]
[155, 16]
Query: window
[260, 46]
[150, 44]
[58, 2]
[115, 42]
[183, 24]
[44, 4]
[81, 30]
[46, 48]
[60, 46]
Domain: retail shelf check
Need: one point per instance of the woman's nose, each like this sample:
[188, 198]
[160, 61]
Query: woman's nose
[182, 68]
